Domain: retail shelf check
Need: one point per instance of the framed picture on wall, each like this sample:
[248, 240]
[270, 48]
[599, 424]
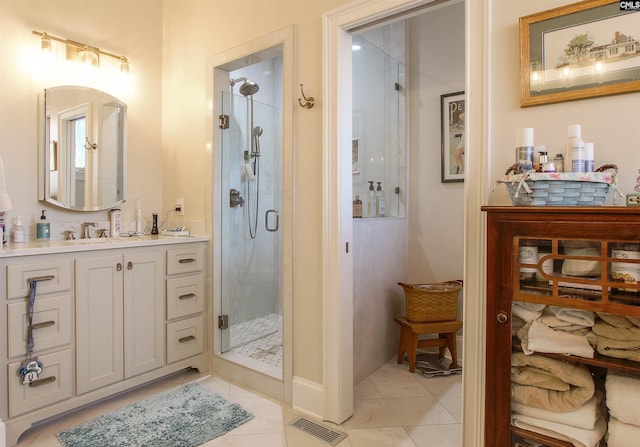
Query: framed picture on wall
[452, 116]
[582, 50]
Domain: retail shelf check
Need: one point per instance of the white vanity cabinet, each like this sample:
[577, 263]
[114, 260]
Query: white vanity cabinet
[52, 333]
[119, 317]
[107, 318]
[185, 302]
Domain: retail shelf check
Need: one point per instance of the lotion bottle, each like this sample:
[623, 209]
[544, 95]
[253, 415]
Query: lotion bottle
[379, 201]
[138, 217]
[17, 231]
[357, 207]
[575, 149]
[371, 201]
[43, 229]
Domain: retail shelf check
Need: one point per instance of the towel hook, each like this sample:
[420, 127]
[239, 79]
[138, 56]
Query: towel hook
[89, 145]
[308, 102]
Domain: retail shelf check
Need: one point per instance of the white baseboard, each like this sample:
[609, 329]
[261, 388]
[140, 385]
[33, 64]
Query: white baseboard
[307, 397]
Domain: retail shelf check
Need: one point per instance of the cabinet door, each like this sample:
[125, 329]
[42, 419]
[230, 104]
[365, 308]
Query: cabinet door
[143, 312]
[99, 322]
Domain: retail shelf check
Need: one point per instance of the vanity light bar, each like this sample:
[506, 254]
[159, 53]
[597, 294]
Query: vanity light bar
[80, 51]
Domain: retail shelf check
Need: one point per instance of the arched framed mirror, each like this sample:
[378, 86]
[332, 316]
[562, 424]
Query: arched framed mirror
[83, 148]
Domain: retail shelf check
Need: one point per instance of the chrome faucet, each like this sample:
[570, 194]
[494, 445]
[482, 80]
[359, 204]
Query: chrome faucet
[85, 229]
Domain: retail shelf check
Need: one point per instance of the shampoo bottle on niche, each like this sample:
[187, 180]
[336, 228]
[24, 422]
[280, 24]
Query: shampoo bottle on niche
[379, 201]
[371, 201]
[357, 207]
[43, 230]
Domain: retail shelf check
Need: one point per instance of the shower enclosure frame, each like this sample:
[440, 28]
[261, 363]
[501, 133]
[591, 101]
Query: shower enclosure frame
[279, 43]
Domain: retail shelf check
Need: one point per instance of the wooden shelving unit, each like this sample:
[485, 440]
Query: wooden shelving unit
[508, 229]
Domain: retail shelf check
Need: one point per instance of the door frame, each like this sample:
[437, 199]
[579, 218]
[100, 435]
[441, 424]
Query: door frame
[217, 69]
[337, 261]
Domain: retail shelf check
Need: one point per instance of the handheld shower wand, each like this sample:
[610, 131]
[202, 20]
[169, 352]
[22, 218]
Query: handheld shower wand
[255, 134]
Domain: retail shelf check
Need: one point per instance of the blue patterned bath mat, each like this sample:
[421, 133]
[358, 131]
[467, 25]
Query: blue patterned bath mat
[187, 416]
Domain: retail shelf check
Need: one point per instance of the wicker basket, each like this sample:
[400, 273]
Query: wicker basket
[559, 189]
[431, 302]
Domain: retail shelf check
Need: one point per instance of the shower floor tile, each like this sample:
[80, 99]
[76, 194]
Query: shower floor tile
[259, 340]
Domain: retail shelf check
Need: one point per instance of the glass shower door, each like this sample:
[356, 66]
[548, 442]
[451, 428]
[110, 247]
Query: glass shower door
[251, 324]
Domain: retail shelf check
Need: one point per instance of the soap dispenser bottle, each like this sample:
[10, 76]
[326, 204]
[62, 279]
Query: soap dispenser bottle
[379, 201]
[43, 230]
[17, 231]
[371, 200]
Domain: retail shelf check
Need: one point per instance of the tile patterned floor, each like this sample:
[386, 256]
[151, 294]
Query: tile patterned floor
[259, 339]
[392, 408]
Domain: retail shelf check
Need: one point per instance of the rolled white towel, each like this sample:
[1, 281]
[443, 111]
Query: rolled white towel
[621, 434]
[527, 311]
[536, 337]
[623, 395]
[577, 436]
[572, 316]
[584, 417]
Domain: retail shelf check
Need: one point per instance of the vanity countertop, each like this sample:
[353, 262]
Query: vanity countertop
[37, 247]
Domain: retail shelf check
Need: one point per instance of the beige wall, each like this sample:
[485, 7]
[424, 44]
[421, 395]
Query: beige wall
[196, 30]
[129, 28]
[436, 210]
[605, 121]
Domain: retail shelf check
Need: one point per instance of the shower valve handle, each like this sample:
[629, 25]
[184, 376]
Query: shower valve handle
[235, 198]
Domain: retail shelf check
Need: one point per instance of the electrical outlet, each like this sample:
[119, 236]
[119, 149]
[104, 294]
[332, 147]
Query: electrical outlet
[180, 206]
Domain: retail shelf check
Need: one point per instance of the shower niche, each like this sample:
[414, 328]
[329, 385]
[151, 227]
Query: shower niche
[378, 126]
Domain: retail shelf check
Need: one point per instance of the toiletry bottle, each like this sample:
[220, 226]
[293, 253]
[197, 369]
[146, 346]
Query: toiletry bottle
[43, 230]
[3, 228]
[524, 148]
[138, 217]
[575, 149]
[371, 201]
[559, 162]
[17, 231]
[154, 227]
[114, 218]
[357, 207]
[589, 160]
[379, 201]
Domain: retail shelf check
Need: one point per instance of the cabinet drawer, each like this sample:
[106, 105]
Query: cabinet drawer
[185, 338]
[185, 259]
[51, 321]
[18, 278]
[185, 296]
[54, 385]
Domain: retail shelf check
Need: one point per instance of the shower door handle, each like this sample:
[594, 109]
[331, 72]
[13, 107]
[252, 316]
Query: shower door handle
[266, 220]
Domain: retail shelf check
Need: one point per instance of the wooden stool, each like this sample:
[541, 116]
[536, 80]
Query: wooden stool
[409, 342]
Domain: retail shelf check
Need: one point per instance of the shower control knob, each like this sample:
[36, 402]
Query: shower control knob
[235, 198]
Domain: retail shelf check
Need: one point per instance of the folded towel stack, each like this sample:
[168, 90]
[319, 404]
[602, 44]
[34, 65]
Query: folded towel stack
[617, 336]
[623, 393]
[553, 329]
[556, 399]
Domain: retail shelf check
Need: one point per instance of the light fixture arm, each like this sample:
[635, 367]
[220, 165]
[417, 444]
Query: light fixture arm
[124, 63]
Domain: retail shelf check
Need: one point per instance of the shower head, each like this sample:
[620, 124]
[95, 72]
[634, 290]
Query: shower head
[257, 131]
[249, 88]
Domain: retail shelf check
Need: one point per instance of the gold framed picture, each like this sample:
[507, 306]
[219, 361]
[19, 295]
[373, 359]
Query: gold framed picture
[582, 50]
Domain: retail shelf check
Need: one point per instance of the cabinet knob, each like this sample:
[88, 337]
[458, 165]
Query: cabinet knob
[502, 318]
[129, 265]
[118, 266]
